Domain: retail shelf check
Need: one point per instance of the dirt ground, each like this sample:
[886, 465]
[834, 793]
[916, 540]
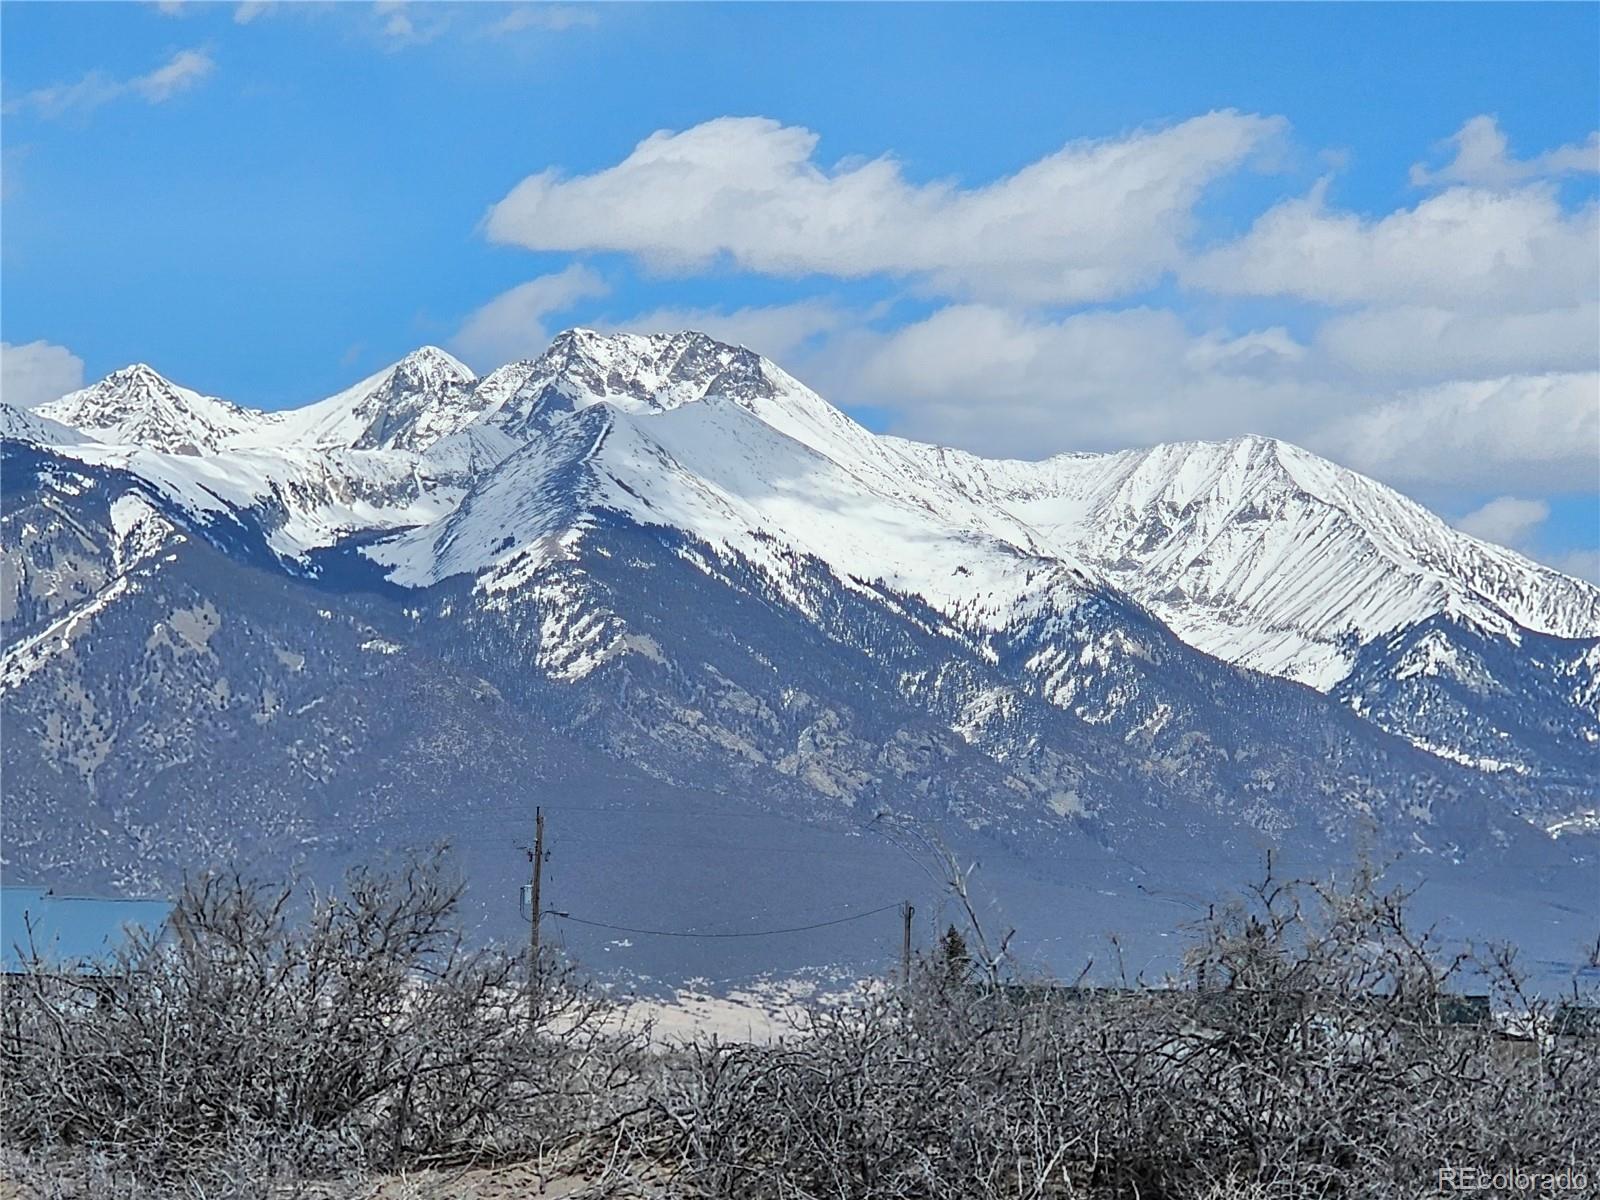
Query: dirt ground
[512, 1182]
[550, 1180]
[481, 1183]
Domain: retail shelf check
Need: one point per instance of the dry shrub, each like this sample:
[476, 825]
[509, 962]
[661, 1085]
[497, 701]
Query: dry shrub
[1311, 1047]
[358, 1032]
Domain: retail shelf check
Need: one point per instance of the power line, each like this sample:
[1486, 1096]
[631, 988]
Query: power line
[741, 847]
[685, 810]
[748, 934]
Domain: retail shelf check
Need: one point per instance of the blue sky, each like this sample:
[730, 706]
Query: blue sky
[1019, 228]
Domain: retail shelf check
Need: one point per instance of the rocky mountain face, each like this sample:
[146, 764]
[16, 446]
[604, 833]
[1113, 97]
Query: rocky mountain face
[425, 396]
[662, 576]
[1266, 555]
[138, 407]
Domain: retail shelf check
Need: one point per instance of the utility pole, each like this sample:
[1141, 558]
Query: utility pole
[537, 855]
[906, 913]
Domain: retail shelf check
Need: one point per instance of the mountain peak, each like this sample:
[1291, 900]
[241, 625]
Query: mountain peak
[408, 405]
[430, 365]
[1269, 556]
[662, 348]
[138, 373]
[652, 372]
[138, 406]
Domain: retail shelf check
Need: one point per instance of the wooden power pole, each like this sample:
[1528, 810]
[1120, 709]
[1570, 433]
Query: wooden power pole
[906, 913]
[537, 855]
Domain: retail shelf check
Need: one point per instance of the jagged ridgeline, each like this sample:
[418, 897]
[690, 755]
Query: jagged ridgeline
[717, 627]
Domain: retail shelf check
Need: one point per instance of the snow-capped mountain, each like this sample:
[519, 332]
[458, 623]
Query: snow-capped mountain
[308, 477]
[25, 426]
[718, 443]
[136, 406]
[408, 405]
[1265, 555]
[674, 557]
[1251, 550]
[425, 396]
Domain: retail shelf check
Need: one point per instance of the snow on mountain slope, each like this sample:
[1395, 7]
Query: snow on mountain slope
[1528, 708]
[25, 426]
[301, 500]
[1252, 550]
[308, 477]
[137, 406]
[408, 406]
[1268, 556]
[662, 372]
[139, 533]
[716, 471]
[632, 372]
[675, 553]
[646, 378]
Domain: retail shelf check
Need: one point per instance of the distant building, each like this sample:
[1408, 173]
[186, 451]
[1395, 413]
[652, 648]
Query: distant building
[70, 933]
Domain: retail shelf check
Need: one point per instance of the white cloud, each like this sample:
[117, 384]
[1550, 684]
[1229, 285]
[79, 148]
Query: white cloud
[550, 18]
[996, 381]
[37, 372]
[1093, 220]
[60, 99]
[250, 10]
[1464, 249]
[512, 325]
[1426, 343]
[1461, 352]
[178, 74]
[1530, 431]
[999, 382]
[1506, 520]
[1483, 159]
[397, 30]
[185, 69]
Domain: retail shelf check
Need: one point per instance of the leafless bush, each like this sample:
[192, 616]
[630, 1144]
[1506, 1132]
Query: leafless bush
[1313, 1045]
[356, 1033]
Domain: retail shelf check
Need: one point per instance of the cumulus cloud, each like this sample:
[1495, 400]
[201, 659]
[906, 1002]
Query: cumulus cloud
[1483, 159]
[1465, 248]
[1093, 220]
[997, 381]
[1506, 520]
[1458, 348]
[1000, 382]
[512, 325]
[37, 372]
[1529, 431]
[1413, 343]
[178, 74]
